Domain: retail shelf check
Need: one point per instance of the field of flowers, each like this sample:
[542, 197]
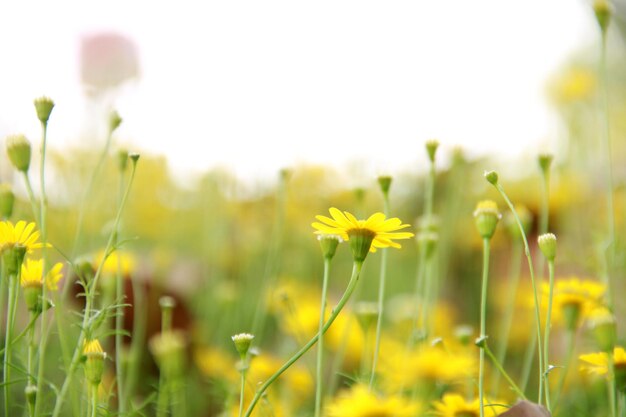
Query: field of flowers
[466, 289]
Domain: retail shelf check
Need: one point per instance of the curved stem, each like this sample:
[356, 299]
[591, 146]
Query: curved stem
[534, 285]
[506, 376]
[483, 322]
[89, 303]
[356, 270]
[320, 345]
[12, 306]
[381, 299]
[546, 337]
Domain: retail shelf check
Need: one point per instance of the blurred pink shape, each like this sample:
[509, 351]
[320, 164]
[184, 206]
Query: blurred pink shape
[107, 60]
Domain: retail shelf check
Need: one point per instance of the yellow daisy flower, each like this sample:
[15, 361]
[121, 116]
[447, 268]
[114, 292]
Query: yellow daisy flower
[376, 232]
[126, 261]
[574, 298]
[598, 364]
[32, 274]
[359, 401]
[454, 405]
[20, 234]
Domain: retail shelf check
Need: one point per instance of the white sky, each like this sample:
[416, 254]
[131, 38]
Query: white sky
[260, 85]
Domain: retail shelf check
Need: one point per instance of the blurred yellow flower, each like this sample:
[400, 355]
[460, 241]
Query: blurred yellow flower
[20, 234]
[215, 363]
[598, 363]
[359, 401]
[126, 262]
[297, 379]
[574, 298]
[344, 224]
[425, 364]
[576, 84]
[454, 405]
[32, 274]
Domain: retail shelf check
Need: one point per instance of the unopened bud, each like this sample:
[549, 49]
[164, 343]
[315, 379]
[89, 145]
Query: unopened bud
[114, 121]
[7, 200]
[431, 149]
[44, 106]
[491, 176]
[486, 217]
[328, 244]
[242, 343]
[603, 11]
[545, 161]
[94, 361]
[603, 326]
[18, 149]
[547, 244]
[385, 183]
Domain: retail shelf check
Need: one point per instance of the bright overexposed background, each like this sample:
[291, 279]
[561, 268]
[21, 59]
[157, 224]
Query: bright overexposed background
[260, 85]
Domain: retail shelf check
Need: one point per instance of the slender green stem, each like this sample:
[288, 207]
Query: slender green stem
[94, 400]
[30, 360]
[546, 337]
[570, 342]
[89, 300]
[611, 384]
[381, 300]
[506, 376]
[610, 248]
[483, 325]
[119, 320]
[356, 270]
[31, 196]
[24, 332]
[138, 339]
[535, 293]
[243, 387]
[43, 228]
[320, 345]
[12, 306]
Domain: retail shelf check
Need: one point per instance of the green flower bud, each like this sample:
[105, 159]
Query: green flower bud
[464, 334]
[384, 182]
[18, 149]
[603, 11]
[30, 392]
[545, 161]
[44, 106]
[481, 341]
[134, 157]
[366, 314]
[94, 357]
[431, 149]
[547, 244]
[427, 242]
[603, 326]
[12, 259]
[32, 297]
[122, 160]
[486, 217]
[328, 244]
[7, 200]
[114, 121]
[242, 344]
[491, 176]
[169, 351]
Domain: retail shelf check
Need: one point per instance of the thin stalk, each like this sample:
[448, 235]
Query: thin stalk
[31, 359]
[546, 337]
[43, 229]
[89, 303]
[610, 383]
[532, 279]
[570, 341]
[483, 325]
[31, 196]
[356, 270]
[119, 318]
[243, 387]
[94, 400]
[12, 306]
[22, 334]
[610, 248]
[136, 342]
[320, 346]
[506, 376]
[381, 300]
